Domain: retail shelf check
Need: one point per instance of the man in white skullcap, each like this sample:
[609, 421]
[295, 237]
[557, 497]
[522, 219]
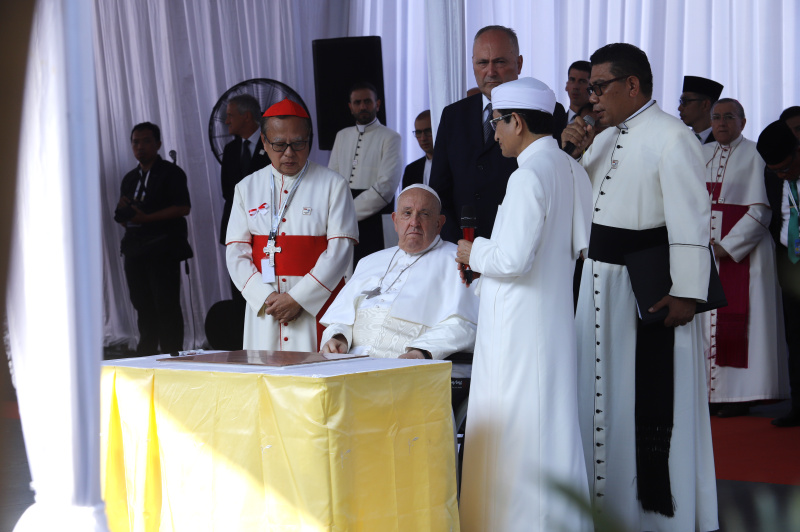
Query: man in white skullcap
[406, 301]
[523, 434]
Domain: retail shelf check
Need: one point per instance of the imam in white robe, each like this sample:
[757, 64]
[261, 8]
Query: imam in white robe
[738, 172]
[322, 207]
[522, 432]
[646, 173]
[425, 307]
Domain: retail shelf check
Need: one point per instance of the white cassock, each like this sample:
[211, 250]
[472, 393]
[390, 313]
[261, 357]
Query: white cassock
[316, 237]
[646, 173]
[753, 339]
[424, 307]
[522, 430]
[369, 160]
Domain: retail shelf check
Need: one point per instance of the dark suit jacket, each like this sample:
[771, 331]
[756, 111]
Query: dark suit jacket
[414, 172]
[232, 173]
[710, 138]
[466, 171]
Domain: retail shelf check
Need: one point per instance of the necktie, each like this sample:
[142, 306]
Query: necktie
[793, 221]
[244, 161]
[487, 127]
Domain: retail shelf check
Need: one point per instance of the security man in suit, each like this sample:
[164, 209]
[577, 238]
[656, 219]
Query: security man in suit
[420, 170]
[468, 166]
[244, 154]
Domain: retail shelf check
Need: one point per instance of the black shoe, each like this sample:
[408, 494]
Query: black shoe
[734, 410]
[790, 420]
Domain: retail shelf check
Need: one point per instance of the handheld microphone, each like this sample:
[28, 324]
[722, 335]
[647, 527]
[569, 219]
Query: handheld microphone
[174, 156]
[468, 224]
[570, 147]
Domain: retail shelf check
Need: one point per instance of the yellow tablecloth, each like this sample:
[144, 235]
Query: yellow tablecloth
[228, 451]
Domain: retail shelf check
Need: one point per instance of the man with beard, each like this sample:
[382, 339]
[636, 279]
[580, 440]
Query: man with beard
[368, 156]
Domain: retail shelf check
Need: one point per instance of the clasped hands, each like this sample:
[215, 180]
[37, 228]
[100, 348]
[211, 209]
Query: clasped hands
[282, 307]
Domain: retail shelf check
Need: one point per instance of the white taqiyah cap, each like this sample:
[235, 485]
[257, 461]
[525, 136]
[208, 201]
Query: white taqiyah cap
[423, 187]
[524, 93]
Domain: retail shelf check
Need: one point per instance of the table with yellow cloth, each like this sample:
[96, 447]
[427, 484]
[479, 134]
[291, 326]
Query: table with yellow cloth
[356, 445]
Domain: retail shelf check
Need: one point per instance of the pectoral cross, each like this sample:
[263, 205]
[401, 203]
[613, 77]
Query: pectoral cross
[270, 251]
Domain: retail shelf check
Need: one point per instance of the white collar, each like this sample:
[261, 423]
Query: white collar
[363, 127]
[430, 247]
[642, 109]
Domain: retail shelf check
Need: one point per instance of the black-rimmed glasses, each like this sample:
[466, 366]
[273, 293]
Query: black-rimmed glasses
[494, 121]
[427, 132]
[280, 147]
[598, 88]
[684, 101]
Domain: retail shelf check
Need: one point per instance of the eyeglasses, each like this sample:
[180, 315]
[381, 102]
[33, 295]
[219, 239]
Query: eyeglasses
[280, 147]
[427, 132]
[598, 88]
[684, 101]
[494, 121]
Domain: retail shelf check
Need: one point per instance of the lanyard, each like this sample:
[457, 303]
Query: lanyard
[278, 216]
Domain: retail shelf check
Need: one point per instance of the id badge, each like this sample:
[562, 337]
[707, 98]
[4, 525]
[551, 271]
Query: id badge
[267, 272]
[797, 247]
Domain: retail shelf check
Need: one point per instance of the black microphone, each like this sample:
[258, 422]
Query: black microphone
[570, 147]
[468, 224]
[174, 156]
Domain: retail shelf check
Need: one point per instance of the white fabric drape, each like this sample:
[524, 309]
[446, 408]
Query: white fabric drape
[750, 46]
[446, 56]
[54, 303]
[169, 61]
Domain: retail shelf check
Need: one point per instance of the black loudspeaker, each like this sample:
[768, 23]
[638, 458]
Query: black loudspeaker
[338, 64]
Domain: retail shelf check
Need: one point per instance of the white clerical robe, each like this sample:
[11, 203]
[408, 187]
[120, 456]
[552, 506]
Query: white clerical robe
[422, 305]
[738, 172]
[369, 161]
[646, 173]
[522, 431]
[321, 207]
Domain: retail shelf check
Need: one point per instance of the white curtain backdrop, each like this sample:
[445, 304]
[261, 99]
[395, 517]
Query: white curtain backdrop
[54, 301]
[168, 61]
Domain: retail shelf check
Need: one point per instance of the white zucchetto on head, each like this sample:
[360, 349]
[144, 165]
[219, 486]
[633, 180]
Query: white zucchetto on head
[524, 93]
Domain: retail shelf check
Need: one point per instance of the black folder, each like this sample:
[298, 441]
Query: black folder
[648, 270]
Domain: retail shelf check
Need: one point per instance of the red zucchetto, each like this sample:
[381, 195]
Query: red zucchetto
[286, 107]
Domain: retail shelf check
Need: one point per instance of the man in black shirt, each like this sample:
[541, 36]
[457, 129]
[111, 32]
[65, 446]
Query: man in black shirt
[152, 207]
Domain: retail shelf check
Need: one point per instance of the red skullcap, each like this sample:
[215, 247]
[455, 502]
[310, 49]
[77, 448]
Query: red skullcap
[286, 108]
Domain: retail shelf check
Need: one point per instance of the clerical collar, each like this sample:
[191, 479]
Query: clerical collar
[363, 127]
[642, 109]
[427, 249]
[735, 143]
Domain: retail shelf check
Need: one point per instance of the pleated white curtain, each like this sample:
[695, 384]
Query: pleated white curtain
[750, 46]
[54, 301]
[168, 61]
